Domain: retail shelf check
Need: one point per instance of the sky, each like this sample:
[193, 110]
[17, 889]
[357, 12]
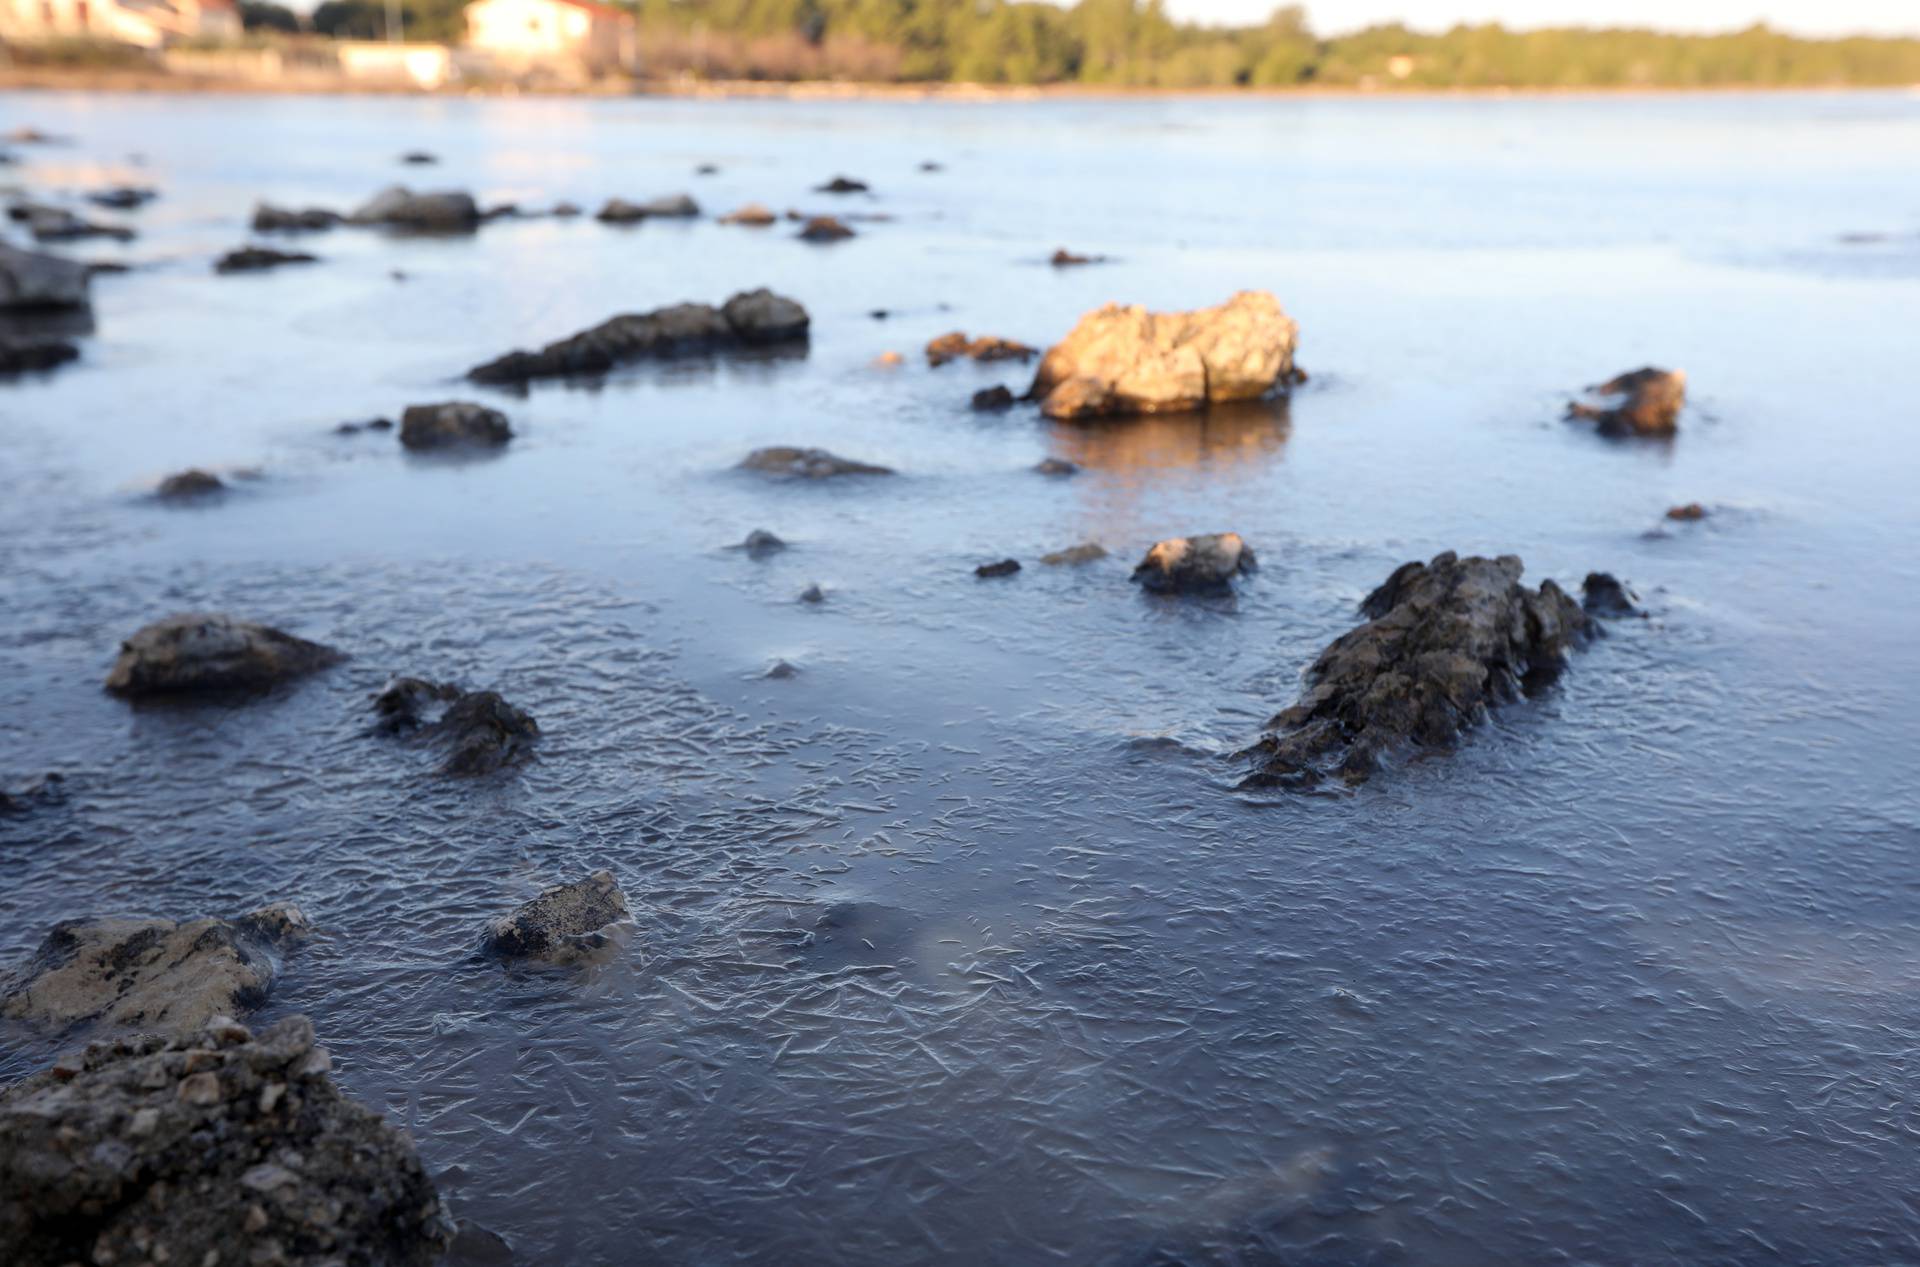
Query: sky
[1804, 17]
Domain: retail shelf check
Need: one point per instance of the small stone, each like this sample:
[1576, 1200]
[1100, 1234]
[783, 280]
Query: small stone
[200, 1089]
[143, 1122]
[760, 543]
[1005, 567]
[780, 670]
[806, 463]
[255, 1220]
[824, 229]
[266, 1176]
[889, 360]
[1602, 594]
[843, 185]
[314, 1063]
[453, 423]
[1057, 467]
[564, 923]
[1194, 564]
[270, 1096]
[753, 216]
[188, 484]
[995, 399]
[812, 594]
[1688, 512]
[1651, 400]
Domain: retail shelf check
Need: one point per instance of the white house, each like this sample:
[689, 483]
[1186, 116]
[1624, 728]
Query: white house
[551, 34]
[145, 23]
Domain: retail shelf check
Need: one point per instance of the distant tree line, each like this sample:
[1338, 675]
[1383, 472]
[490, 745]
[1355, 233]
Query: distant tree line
[1133, 43]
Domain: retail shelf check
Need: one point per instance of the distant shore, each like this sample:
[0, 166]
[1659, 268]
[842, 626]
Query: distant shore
[99, 79]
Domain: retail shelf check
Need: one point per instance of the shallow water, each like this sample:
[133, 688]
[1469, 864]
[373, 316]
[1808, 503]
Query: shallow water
[1632, 976]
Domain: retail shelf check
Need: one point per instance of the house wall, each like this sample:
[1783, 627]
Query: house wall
[524, 32]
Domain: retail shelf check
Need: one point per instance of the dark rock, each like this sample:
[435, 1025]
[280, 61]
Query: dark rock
[993, 399]
[212, 1147]
[1063, 258]
[57, 224]
[1687, 513]
[397, 207]
[1120, 361]
[1057, 467]
[26, 135]
[268, 218]
[453, 423]
[479, 731]
[955, 346]
[810, 464]
[1650, 404]
[31, 280]
[151, 974]
[252, 259]
[671, 207]
[707, 169]
[931, 166]
[567, 922]
[476, 1246]
[1074, 556]
[1444, 642]
[824, 229]
[1602, 594]
[780, 670]
[1195, 565]
[188, 484]
[48, 789]
[419, 158]
[196, 652]
[564, 210]
[24, 356]
[842, 185]
[355, 428]
[1005, 567]
[760, 543]
[749, 319]
[123, 197]
[813, 594]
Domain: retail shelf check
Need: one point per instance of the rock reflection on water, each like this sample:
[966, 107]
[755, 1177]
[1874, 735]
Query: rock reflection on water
[1136, 450]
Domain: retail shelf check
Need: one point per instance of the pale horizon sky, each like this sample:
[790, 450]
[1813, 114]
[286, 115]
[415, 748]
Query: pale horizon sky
[1805, 17]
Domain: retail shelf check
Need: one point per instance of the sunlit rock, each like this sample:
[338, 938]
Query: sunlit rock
[1119, 361]
[1650, 403]
[956, 346]
[1191, 565]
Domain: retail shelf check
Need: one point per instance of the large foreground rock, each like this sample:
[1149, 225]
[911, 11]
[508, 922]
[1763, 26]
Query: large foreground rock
[32, 279]
[453, 424]
[751, 318]
[205, 651]
[565, 923]
[813, 464]
[150, 974]
[1650, 401]
[1130, 361]
[447, 211]
[479, 731]
[210, 1148]
[1444, 642]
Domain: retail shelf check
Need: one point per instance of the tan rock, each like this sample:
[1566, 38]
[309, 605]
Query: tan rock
[1126, 360]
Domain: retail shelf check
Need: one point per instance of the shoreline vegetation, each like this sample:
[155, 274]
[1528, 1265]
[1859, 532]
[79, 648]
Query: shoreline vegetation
[988, 49]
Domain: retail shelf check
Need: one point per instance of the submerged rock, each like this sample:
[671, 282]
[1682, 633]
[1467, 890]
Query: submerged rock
[21, 356]
[1195, 565]
[1063, 258]
[1119, 361]
[754, 215]
[760, 543]
[1005, 567]
[32, 279]
[1056, 467]
[400, 208]
[153, 974]
[1650, 404]
[268, 218]
[189, 484]
[123, 197]
[1074, 556]
[813, 464]
[419, 158]
[1444, 642]
[824, 229]
[195, 651]
[813, 594]
[209, 1147]
[842, 185]
[750, 319]
[252, 259]
[1602, 594]
[956, 346]
[1687, 513]
[565, 923]
[781, 670]
[995, 399]
[479, 730]
[453, 424]
[671, 206]
[48, 789]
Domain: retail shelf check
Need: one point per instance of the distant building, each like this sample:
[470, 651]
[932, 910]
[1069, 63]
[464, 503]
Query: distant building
[564, 36]
[145, 23]
[427, 66]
